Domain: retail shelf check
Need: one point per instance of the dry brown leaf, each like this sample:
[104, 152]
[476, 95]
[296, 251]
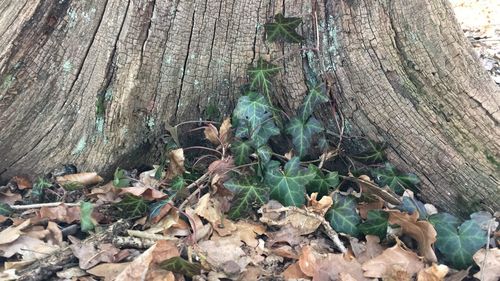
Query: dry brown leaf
[433, 273]
[73, 273]
[225, 228]
[458, 276]
[320, 207]
[302, 222]
[225, 131]
[371, 249]
[164, 250]
[368, 186]
[422, 231]
[489, 262]
[30, 248]
[308, 261]
[106, 193]
[176, 166]
[10, 198]
[223, 252]
[22, 182]
[83, 178]
[145, 192]
[209, 209]
[12, 233]
[221, 167]
[212, 134]
[248, 231]
[391, 261]
[293, 272]
[202, 230]
[108, 270]
[137, 269]
[285, 251]
[61, 213]
[338, 267]
[89, 256]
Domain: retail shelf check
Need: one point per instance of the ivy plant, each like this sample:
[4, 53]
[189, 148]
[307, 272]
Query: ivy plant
[397, 181]
[283, 29]
[343, 216]
[248, 194]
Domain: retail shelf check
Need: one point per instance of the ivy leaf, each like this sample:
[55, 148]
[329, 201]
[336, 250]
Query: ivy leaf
[444, 220]
[458, 247]
[252, 109]
[302, 133]
[247, 195]
[315, 97]
[86, 221]
[288, 186]
[376, 224]
[261, 74]
[283, 29]
[5, 209]
[321, 182]
[132, 206]
[373, 154]
[181, 266]
[264, 153]
[241, 152]
[120, 178]
[263, 132]
[343, 216]
[178, 182]
[410, 205]
[396, 180]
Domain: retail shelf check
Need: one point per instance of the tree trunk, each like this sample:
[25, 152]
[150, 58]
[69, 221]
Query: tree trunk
[95, 82]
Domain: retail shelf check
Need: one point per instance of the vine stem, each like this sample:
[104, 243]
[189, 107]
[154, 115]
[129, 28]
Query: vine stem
[194, 193]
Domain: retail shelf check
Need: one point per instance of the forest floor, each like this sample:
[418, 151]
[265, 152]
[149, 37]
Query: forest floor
[480, 21]
[175, 222]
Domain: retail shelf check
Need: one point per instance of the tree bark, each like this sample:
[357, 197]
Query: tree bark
[95, 82]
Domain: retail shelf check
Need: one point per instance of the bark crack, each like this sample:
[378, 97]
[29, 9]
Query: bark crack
[185, 65]
[153, 6]
[213, 36]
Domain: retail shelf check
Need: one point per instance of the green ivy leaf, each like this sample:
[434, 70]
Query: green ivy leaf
[247, 195]
[241, 152]
[376, 224]
[252, 110]
[458, 247]
[444, 219]
[5, 209]
[86, 221]
[181, 266]
[38, 189]
[264, 153]
[343, 216]
[302, 133]
[375, 153]
[120, 178]
[396, 180]
[261, 74]
[132, 206]
[283, 29]
[288, 186]
[315, 97]
[263, 132]
[321, 182]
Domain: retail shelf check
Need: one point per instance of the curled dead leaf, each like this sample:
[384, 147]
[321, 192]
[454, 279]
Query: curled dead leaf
[82, 178]
[147, 193]
[225, 132]
[489, 262]
[212, 134]
[320, 207]
[22, 182]
[422, 231]
[393, 261]
[436, 272]
[176, 166]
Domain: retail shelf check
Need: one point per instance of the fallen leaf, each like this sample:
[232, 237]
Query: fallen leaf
[303, 221]
[221, 168]
[212, 134]
[164, 250]
[248, 231]
[71, 273]
[422, 231]
[308, 261]
[320, 207]
[82, 178]
[433, 273]
[61, 213]
[89, 255]
[137, 269]
[12, 233]
[22, 182]
[10, 198]
[223, 251]
[338, 267]
[30, 248]
[176, 165]
[147, 193]
[489, 262]
[458, 276]
[108, 270]
[293, 272]
[208, 208]
[364, 207]
[371, 249]
[394, 259]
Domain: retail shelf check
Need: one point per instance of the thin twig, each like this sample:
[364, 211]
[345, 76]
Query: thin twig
[329, 231]
[41, 205]
[487, 249]
[194, 193]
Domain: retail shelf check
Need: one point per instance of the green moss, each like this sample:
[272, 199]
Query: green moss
[211, 112]
[492, 159]
[80, 146]
[7, 81]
